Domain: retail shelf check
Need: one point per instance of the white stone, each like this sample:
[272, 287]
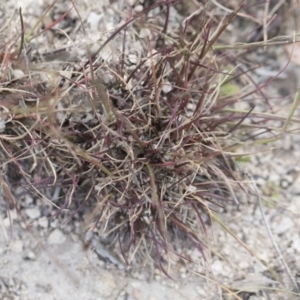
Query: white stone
[135, 284]
[284, 226]
[44, 223]
[296, 186]
[183, 275]
[104, 284]
[144, 32]
[56, 237]
[139, 8]
[296, 245]
[28, 199]
[274, 177]
[9, 220]
[54, 223]
[167, 87]
[16, 246]
[31, 255]
[244, 265]
[217, 267]
[33, 212]
[93, 20]
[18, 73]
[200, 291]
[132, 58]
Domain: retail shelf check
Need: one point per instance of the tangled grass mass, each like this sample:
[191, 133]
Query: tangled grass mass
[144, 139]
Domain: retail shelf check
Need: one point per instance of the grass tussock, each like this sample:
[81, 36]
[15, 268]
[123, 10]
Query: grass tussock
[148, 145]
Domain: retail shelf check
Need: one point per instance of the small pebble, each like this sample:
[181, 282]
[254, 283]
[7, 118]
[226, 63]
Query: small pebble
[56, 237]
[132, 58]
[135, 284]
[30, 256]
[44, 223]
[16, 246]
[244, 265]
[167, 87]
[28, 199]
[200, 291]
[104, 284]
[296, 245]
[33, 212]
[93, 20]
[139, 8]
[284, 226]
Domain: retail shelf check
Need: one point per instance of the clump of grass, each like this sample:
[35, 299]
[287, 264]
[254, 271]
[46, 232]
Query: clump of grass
[148, 149]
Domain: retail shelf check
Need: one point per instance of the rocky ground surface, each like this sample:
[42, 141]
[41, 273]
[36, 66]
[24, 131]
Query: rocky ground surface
[51, 261]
